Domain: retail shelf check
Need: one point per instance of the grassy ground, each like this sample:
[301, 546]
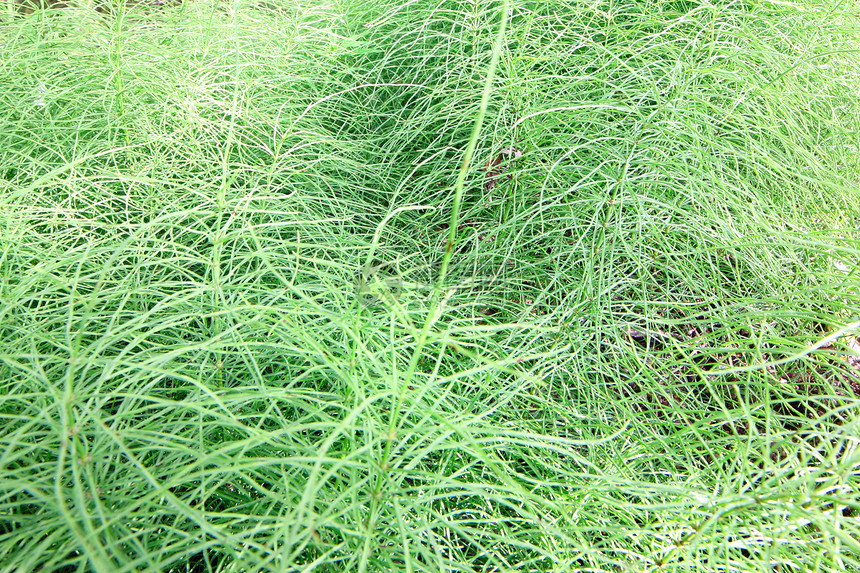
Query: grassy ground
[234, 335]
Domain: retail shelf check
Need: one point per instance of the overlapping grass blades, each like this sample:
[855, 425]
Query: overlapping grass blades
[224, 344]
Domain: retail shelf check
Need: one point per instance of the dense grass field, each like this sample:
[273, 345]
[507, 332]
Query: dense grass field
[452, 285]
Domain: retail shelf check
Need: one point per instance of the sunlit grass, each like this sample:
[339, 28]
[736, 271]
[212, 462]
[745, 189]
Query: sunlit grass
[231, 339]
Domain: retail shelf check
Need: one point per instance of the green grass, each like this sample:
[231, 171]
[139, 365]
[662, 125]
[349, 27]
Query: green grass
[261, 311]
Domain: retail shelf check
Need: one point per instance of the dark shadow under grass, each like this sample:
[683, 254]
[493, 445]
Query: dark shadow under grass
[224, 344]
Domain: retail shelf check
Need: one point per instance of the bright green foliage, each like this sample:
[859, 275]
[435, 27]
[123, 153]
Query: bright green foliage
[231, 340]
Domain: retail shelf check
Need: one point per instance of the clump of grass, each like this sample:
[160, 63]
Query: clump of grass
[234, 335]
